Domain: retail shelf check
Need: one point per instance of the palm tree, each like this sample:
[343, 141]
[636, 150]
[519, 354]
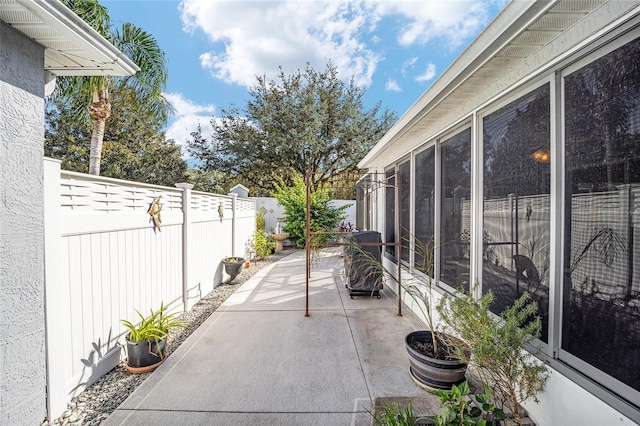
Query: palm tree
[149, 83]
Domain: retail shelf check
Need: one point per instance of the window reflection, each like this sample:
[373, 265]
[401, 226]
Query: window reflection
[601, 322]
[390, 213]
[424, 208]
[456, 210]
[404, 175]
[516, 188]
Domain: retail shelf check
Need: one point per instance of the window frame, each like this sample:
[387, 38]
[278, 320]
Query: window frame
[596, 378]
[464, 126]
[478, 200]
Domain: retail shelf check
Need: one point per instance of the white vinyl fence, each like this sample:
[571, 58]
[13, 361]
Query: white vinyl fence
[104, 259]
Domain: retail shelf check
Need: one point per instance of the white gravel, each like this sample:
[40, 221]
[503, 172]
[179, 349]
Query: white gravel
[95, 404]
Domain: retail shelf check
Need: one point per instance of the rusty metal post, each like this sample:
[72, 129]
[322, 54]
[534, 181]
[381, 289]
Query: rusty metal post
[308, 240]
[398, 241]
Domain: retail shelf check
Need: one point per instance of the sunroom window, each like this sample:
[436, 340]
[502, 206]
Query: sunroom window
[404, 175]
[455, 207]
[390, 211]
[424, 208]
[516, 207]
[601, 285]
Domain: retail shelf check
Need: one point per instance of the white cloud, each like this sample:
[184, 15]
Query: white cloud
[452, 22]
[255, 38]
[392, 86]
[407, 65]
[186, 119]
[428, 74]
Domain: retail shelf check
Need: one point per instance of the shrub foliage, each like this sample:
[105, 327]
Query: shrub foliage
[324, 216]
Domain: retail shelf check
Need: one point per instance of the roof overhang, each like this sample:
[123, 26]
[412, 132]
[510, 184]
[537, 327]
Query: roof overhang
[520, 31]
[72, 47]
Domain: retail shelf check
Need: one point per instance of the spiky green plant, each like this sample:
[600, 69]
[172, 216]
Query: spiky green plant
[153, 328]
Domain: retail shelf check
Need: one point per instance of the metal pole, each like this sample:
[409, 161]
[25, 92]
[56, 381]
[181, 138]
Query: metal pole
[398, 239]
[308, 241]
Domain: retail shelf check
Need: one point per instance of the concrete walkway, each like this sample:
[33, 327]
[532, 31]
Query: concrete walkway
[259, 360]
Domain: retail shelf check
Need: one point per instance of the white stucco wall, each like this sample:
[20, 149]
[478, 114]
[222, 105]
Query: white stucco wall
[22, 324]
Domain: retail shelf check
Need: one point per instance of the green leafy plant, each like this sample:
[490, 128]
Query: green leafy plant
[262, 245]
[397, 415]
[459, 410]
[324, 216]
[496, 348]
[260, 221]
[155, 327]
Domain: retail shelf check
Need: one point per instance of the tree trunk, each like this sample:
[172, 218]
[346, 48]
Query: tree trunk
[99, 109]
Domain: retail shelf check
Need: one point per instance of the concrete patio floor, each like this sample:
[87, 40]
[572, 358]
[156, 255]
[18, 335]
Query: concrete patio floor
[259, 360]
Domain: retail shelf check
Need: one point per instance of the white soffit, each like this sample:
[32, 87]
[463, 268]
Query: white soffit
[520, 30]
[72, 47]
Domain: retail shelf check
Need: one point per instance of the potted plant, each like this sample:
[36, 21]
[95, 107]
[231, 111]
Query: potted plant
[146, 340]
[497, 348]
[433, 360]
[232, 266]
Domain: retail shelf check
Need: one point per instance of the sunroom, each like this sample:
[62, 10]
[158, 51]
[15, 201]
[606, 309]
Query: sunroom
[522, 164]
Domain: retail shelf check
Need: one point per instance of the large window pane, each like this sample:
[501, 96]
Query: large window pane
[516, 184]
[404, 175]
[601, 315]
[424, 208]
[390, 212]
[455, 222]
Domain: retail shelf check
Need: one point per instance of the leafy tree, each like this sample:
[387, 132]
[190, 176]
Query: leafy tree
[93, 92]
[208, 180]
[307, 121]
[324, 216]
[134, 144]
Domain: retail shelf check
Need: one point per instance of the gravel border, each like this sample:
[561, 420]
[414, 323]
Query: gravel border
[97, 402]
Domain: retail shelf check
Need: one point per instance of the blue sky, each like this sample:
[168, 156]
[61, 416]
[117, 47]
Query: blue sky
[394, 50]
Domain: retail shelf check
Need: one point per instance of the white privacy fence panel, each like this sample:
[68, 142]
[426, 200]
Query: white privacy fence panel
[245, 225]
[105, 259]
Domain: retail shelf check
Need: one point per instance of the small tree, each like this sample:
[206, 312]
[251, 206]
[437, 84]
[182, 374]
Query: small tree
[309, 120]
[497, 347]
[324, 216]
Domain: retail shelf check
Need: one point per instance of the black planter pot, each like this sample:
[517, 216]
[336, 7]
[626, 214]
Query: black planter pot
[233, 268]
[145, 354]
[431, 372]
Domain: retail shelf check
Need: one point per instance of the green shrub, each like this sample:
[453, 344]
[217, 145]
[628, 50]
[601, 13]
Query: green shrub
[496, 348]
[262, 245]
[324, 216]
[259, 220]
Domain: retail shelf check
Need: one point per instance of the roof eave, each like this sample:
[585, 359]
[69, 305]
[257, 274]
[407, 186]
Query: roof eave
[62, 19]
[511, 21]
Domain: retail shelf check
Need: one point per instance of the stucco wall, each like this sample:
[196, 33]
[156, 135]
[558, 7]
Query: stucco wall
[22, 325]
